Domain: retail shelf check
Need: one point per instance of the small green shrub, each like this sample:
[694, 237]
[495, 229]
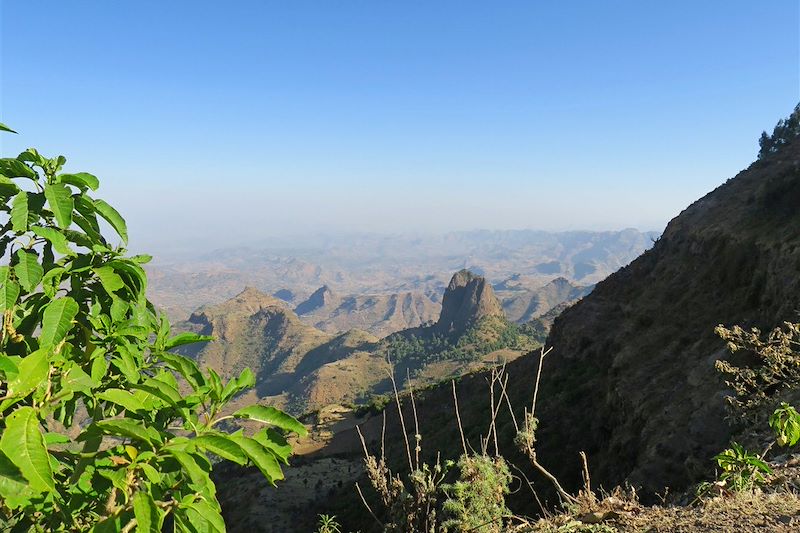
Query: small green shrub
[328, 524]
[476, 500]
[785, 422]
[741, 470]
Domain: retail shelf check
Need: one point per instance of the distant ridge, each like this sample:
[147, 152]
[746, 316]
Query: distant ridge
[320, 298]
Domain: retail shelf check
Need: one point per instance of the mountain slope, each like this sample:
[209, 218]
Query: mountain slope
[637, 355]
[256, 331]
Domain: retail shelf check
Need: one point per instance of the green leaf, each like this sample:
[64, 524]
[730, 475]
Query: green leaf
[59, 197]
[199, 477]
[136, 276]
[185, 367]
[82, 180]
[51, 281]
[56, 238]
[75, 379]
[12, 168]
[122, 397]
[142, 258]
[222, 446]
[261, 457]
[31, 155]
[8, 368]
[148, 516]
[199, 517]
[272, 416]
[270, 439]
[33, 370]
[7, 187]
[53, 438]
[109, 279]
[128, 428]
[14, 490]
[3, 127]
[160, 390]
[9, 294]
[186, 338]
[112, 217]
[245, 380]
[81, 239]
[22, 442]
[28, 270]
[57, 321]
[19, 212]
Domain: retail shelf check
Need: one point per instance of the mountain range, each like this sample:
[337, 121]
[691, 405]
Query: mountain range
[301, 367]
[631, 379]
[388, 273]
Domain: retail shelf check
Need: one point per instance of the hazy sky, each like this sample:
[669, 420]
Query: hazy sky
[214, 121]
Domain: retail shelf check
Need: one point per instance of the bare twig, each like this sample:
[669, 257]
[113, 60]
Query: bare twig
[493, 410]
[417, 434]
[402, 418]
[542, 354]
[364, 501]
[587, 481]
[458, 419]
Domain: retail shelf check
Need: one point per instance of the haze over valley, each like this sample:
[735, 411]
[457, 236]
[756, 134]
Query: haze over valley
[384, 283]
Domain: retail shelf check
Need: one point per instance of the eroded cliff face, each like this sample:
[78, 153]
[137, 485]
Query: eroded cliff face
[631, 378]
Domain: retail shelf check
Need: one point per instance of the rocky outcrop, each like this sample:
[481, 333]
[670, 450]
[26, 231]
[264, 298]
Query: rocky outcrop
[467, 299]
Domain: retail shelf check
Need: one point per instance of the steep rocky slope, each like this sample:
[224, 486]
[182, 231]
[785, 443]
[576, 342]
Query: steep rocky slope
[257, 331]
[633, 363]
[468, 299]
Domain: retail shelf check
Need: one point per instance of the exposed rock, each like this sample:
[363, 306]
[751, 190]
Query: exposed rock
[467, 299]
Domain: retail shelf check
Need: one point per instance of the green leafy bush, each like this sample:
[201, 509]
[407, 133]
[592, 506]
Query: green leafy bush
[785, 422]
[102, 426]
[476, 501]
[741, 470]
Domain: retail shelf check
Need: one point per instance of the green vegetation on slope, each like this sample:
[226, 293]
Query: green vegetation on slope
[416, 348]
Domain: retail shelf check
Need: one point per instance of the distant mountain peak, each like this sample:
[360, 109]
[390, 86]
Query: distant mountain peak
[319, 298]
[467, 299]
[247, 302]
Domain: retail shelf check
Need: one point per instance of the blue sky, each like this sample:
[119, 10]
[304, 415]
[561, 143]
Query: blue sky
[227, 121]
